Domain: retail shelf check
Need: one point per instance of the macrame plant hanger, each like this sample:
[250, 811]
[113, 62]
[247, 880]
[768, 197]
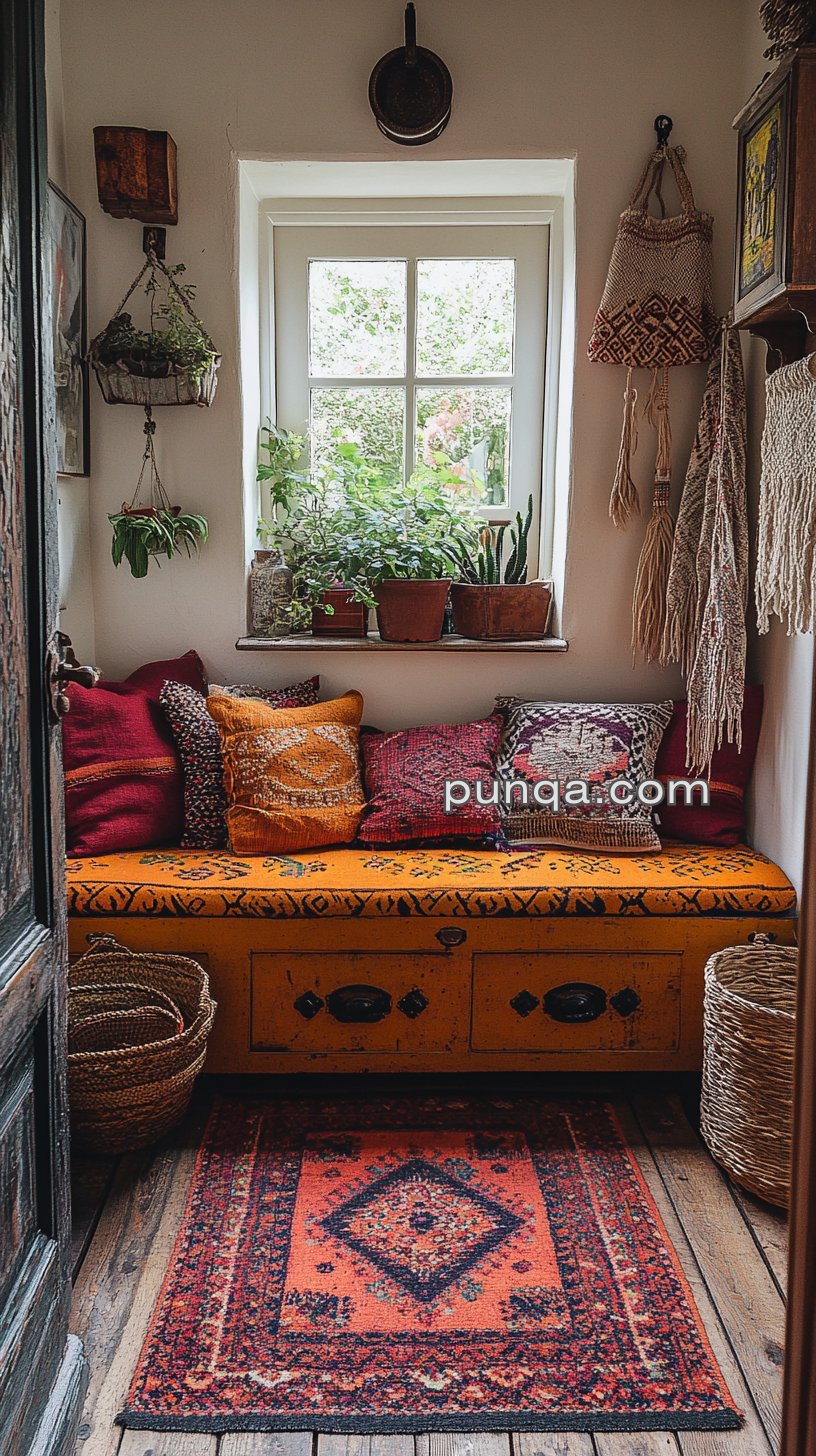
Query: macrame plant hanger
[158, 498]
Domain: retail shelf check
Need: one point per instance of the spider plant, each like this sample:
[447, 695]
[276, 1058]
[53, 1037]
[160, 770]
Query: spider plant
[140, 533]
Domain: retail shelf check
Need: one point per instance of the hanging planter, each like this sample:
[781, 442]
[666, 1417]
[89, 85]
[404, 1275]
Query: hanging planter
[174, 361]
[154, 529]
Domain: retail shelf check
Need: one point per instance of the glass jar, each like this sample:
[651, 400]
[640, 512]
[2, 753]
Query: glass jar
[270, 595]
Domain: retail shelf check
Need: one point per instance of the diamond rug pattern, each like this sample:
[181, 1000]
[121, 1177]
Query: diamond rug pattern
[423, 1263]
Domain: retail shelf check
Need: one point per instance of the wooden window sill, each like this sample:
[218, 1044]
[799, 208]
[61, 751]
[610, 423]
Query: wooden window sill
[305, 642]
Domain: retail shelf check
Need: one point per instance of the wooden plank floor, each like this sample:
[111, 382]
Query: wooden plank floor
[732, 1247]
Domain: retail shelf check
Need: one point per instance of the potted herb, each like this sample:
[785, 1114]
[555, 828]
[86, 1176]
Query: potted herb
[271, 579]
[155, 529]
[172, 361]
[495, 601]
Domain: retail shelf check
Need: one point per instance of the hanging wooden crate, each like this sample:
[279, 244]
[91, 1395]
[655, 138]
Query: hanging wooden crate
[136, 173]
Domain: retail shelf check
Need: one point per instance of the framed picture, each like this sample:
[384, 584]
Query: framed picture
[762, 202]
[70, 333]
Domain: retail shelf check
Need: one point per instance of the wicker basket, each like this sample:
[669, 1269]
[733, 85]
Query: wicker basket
[121, 386]
[747, 1099]
[138, 1028]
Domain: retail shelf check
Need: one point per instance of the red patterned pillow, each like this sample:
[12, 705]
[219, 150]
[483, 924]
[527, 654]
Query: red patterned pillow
[723, 821]
[199, 746]
[405, 775]
[123, 787]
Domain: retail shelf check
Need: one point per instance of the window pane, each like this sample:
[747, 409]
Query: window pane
[465, 315]
[471, 428]
[374, 418]
[357, 317]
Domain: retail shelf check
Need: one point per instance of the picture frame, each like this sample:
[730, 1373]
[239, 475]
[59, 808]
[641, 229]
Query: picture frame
[69, 325]
[762, 193]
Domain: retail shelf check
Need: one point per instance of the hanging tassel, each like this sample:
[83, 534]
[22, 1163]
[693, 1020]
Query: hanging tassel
[651, 582]
[624, 501]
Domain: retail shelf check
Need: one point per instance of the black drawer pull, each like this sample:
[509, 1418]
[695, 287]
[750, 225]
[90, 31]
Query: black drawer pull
[575, 1001]
[358, 1004]
[451, 935]
[308, 1005]
[625, 1002]
[412, 1004]
[524, 1002]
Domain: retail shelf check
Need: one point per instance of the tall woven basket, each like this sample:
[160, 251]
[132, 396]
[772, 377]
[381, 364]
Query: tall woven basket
[137, 1038]
[747, 1099]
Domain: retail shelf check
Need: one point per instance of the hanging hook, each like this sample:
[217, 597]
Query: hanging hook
[663, 126]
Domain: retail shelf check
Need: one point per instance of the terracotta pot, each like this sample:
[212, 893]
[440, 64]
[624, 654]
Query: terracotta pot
[501, 613]
[411, 611]
[349, 618]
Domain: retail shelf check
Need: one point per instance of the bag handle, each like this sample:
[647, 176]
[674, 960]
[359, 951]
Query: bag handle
[650, 179]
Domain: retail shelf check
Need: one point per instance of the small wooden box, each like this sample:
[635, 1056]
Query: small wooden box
[136, 173]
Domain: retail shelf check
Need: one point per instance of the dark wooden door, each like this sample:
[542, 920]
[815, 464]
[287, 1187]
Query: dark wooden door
[41, 1369]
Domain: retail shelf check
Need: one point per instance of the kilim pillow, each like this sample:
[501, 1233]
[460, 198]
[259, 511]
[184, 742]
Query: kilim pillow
[199, 747]
[405, 775]
[292, 775]
[123, 783]
[590, 743]
[722, 821]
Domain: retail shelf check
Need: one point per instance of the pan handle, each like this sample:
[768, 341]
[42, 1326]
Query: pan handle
[410, 34]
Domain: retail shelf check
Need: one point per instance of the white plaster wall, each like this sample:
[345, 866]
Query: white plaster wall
[784, 664]
[73, 494]
[288, 80]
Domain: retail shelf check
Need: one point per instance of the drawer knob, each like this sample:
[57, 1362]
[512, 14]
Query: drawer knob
[625, 1001]
[308, 1005]
[524, 1002]
[575, 1001]
[364, 1004]
[412, 1004]
[451, 935]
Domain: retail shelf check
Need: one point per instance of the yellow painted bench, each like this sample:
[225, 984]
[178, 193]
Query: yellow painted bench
[442, 960]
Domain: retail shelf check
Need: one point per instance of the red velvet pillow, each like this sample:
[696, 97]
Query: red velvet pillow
[405, 775]
[723, 822]
[123, 782]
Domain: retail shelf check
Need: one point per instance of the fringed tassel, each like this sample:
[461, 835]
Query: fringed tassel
[651, 582]
[624, 501]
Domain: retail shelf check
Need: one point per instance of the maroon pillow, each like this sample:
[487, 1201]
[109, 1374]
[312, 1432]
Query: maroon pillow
[723, 822]
[123, 783]
[405, 775]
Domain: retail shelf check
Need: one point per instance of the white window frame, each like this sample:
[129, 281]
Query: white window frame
[553, 472]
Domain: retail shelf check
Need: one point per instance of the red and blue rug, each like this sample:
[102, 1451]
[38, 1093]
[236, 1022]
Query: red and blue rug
[423, 1263]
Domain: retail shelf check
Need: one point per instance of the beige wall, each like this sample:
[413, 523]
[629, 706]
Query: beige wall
[289, 80]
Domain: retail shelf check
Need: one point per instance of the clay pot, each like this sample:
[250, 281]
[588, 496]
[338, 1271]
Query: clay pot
[349, 618]
[501, 613]
[411, 611]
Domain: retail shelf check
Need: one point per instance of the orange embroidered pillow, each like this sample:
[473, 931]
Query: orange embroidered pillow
[292, 775]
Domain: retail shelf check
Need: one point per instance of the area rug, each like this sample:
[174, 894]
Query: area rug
[423, 1263]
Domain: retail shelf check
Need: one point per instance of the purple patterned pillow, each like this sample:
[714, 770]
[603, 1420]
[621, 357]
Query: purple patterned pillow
[594, 743]
[199, 748]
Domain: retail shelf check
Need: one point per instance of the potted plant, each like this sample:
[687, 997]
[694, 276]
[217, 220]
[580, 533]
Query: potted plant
[173, 361]
[495, 602]
[154, 529]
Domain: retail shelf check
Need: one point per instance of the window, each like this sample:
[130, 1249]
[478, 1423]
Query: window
[422, 341]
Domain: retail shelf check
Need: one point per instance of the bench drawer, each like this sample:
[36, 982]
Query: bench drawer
[593, 1001]
[357, 1003]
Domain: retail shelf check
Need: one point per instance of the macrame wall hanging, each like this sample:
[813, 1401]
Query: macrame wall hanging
[656, 313]
[786, 548]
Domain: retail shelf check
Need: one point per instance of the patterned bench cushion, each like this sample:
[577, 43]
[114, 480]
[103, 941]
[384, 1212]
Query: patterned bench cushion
[681, 880]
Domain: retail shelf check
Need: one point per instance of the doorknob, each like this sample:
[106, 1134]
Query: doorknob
[62, 666]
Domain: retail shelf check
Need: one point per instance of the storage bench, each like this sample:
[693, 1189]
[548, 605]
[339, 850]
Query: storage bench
[442, 960]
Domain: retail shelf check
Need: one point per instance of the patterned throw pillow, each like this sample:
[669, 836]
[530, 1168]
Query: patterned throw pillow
[292, 775]
[199, 748]
[591, 742]
[405, 775]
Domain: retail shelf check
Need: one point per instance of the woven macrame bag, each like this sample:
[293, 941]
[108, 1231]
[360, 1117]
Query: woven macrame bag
[657, 308]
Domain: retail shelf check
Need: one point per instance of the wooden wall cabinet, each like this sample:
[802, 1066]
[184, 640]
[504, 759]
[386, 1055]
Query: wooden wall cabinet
[136, 173]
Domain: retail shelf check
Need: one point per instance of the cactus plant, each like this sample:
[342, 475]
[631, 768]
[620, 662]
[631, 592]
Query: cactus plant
[488, 569]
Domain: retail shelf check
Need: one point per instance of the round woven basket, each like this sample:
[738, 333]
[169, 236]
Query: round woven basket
[120, 385]
[747, 1097]
[138, 1028]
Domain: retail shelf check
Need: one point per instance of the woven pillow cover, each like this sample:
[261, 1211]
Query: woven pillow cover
[592, 742]
[405, 774]
[292, 775]
[722, 821]
[199, 748]
[123, 780]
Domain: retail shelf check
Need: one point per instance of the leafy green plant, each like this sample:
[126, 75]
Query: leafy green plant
[486, 567]
[140, 533]
[280, 455]
[174, 341]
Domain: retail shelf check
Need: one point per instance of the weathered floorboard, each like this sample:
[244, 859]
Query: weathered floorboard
[770, 1229]
[167, 1443]
[641, 1443]
[269, 1443]
[552, 1443]
[349, 1445]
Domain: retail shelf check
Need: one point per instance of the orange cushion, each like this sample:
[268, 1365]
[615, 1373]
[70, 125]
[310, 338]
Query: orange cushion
[292, 775]
[683, 880]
